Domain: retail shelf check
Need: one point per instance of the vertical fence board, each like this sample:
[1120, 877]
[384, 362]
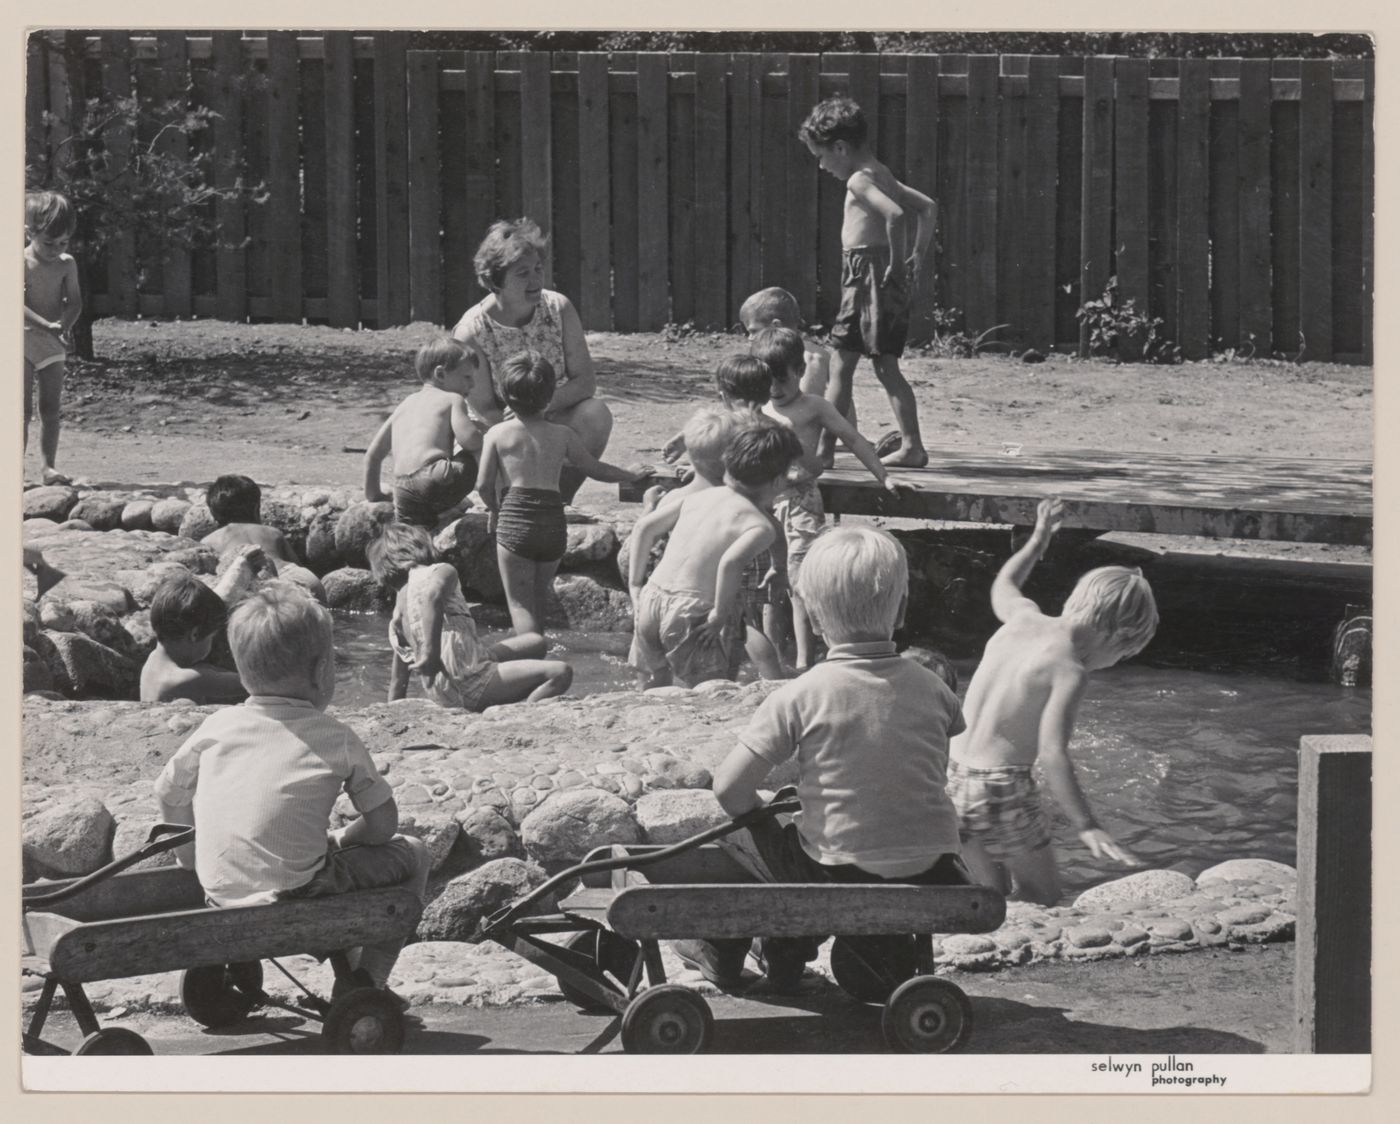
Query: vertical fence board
[1162, 214]
[680, 181]
[284, 178]
[202, 283]
[1042, 160]
[1130, 191]
[425, 189]
[1012, 185]
[1224, 225]
[1348, 174]
[864, 85]
[1096, 218]
[565, 246]
[981, 293]
[255, 142]
[1193, 236]
[366, 195]
[624, 210]
[1368, 208]
[711, 193]
[121, 248]
[61, 102]
[312, 81]
[653, 232]
[536, 179]
[459, 241]
[174, 143]
[480, 146]
[510, 201]
[1067, 213]
[36, 86]
[1283, 177]
[230, 258]
[952, 193]
[776, 157]
[595, 202]
[743, 223]
[342, 275]
[921, 168]
[830, 197]
[1255, 204]
[1315, 209]
[391, 175]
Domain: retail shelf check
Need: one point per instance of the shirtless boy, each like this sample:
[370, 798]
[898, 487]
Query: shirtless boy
[429, 478]
[52, 305]
[685, 613]
[1021, 707]
[799, 506]
[235, 502]
[879, 269]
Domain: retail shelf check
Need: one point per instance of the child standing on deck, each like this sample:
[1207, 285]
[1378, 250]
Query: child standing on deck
[432, 633]
[259, 781]
[527, 452]
[1021, 707]
[52, 304]
[879, 269]
[684, 614]
[799, 507]
[430, 479]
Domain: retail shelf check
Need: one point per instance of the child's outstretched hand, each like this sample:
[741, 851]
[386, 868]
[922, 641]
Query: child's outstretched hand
[1103, 846]
[428, 664]
[1049, 513]
[672, 450]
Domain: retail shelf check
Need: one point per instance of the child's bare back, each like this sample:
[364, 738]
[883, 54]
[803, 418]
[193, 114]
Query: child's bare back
[532, 451]
[424, 426]
[269, 539]
[710, 522]
[807, 415]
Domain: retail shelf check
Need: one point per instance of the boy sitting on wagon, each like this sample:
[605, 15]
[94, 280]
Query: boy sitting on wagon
[870, 732]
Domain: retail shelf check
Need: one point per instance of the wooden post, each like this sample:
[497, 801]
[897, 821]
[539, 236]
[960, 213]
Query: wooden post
[1332, 981]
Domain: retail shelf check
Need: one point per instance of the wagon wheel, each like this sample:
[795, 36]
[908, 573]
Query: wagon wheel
[221, 994]
[366, 1020]
[926, 1015]
[610, 952]
[111, 1041]
[668, 1019]
[871, 981]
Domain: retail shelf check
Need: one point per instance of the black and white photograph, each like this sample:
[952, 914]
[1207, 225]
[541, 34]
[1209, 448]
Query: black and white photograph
[793, 548]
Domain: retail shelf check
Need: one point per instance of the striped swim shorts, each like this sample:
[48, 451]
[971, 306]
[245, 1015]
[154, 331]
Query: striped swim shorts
[998, 809]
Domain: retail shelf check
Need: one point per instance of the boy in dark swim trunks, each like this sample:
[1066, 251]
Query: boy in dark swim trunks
[528, 515]
[429, 478]
[879, 270]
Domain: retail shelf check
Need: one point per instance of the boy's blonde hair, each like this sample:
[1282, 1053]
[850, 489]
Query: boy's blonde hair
[762, 308]
[853, 581]
[396, 550]
[444, 352]
[275, 634]
[708, 433]
[1117, 603]
[781, 350]
[48, 212]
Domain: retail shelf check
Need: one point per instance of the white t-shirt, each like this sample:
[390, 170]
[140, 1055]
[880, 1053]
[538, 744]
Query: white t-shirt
[870, 731]
[263, 778]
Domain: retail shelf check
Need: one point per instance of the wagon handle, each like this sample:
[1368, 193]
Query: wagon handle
[784, 801]
[162, 837]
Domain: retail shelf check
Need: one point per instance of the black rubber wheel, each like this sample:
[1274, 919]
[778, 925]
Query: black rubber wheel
[610, 952]
[366, 1020]
[926, 1015]
[113, 1041]
[220, 994]
[867, 982]
[668, 1019]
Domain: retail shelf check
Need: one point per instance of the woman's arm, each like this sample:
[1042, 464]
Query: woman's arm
[578, 363]
[581, 458]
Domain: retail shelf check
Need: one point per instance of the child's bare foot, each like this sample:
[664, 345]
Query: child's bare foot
[53, 476]
[906, 456]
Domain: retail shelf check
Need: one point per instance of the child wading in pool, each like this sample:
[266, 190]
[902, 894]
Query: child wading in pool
[879, 270]
[1021, 707]
[526, 453]
[433, 634]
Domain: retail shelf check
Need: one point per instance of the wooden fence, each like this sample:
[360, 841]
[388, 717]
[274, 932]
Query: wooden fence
[1231, 198]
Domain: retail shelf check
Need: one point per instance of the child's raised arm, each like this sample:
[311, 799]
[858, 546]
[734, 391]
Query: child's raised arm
[579, 457]
[864, 451]
[729, 577]
[374, 459]
[1007, 598]
[647, 530]
[1056, 725]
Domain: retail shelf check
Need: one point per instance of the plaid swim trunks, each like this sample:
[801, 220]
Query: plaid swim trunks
[999, 809]
[799, 509]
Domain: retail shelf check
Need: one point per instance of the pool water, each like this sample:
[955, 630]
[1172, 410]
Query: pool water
[1186, 767]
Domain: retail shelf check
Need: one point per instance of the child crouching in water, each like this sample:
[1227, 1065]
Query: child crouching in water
[529, 452]
[432, 633]
[870, 733]
[259, 781]
[1021, 706]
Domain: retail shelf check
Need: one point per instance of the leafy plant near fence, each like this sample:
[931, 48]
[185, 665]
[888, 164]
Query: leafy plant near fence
[1119, 329]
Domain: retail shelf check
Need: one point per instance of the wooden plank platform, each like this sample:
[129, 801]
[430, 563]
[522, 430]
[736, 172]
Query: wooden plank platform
[1283, 499]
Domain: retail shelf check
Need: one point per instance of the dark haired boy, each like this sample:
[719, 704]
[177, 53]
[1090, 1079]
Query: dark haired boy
[186, 616]
[879, 270]
[430, 478]
[235, 502]
[52, 304]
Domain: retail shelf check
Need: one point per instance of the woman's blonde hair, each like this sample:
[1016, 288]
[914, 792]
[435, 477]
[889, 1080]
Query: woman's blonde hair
[854, 581]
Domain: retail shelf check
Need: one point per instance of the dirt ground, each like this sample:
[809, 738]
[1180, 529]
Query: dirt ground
[186, 401]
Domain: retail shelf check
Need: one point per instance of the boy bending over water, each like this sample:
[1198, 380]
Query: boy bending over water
[1021, 706]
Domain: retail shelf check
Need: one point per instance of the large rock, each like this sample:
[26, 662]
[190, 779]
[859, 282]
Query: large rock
[71, 838]
[56, 616]
[33, 620]
[117, 598]
[168, 514]
[569, 824]
[670, 816]
[466, 545]
[1249, 870]
[102, 513]
[285, 515]
[320, 550]
[356, 590]
[197, 522]
[1145, 886]
[37, 676]
[52, 501]
[83, 668]
[456, 913]
[140, 634]
[142, 584]
[357, 526]
[487, 835]
[99, 623]
[581, 603]
[136, 515]
[133, 827]
[588, 543]
[435, 826]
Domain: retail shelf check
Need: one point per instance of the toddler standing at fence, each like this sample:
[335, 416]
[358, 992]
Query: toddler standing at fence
[52, 304]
